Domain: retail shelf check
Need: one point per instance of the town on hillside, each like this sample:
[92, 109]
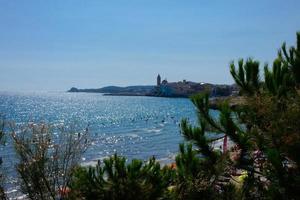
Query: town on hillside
[186, 88]
[163, 88]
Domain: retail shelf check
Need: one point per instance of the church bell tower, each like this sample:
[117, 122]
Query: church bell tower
[158, 80]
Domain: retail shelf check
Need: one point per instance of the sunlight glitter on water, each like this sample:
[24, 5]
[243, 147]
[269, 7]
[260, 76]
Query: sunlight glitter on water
[135, 127]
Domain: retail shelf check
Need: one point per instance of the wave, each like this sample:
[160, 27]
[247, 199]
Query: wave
[153, 130]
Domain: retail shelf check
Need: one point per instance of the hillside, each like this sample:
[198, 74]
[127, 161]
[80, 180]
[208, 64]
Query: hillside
[172, 89]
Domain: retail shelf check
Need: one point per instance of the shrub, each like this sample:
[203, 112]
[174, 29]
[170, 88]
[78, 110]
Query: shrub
[46, 161]
[114, 179]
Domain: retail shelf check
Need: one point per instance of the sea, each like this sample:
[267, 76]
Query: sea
[131, 126]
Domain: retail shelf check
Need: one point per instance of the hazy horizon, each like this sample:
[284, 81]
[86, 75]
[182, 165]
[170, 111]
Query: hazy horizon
[55, 45]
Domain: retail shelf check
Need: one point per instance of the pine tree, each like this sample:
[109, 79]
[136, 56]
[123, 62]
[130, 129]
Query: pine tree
[115, 179]
[291, 58]
[246, 75]
[264, 130]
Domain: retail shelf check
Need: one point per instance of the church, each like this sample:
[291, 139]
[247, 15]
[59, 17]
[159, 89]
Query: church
[159, 82]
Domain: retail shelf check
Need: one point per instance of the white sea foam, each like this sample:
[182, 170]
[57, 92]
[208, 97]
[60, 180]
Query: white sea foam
[93, 162]
[153, 130]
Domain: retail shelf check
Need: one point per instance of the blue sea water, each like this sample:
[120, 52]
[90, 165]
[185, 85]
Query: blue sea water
[135, 127]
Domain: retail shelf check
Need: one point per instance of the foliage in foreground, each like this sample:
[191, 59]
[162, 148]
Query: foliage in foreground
[114, 179]
[263, 163]
[46, 160]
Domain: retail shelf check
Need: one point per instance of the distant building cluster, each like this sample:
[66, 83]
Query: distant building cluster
[159, 82]
[186, 88]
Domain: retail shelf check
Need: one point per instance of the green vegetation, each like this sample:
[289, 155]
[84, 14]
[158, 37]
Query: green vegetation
[46, 162]
[117, 180]
[261, 163]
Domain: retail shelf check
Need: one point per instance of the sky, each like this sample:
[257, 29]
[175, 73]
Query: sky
[54, 45]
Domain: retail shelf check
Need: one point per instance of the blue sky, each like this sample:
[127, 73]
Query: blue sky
[53, 45]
